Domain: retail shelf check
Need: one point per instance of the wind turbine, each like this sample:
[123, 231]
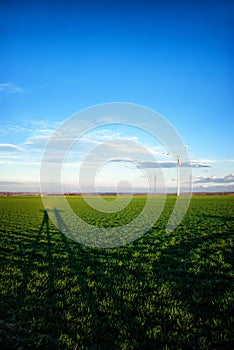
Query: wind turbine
[179, 164]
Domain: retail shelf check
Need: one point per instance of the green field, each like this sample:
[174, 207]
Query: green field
[163, 291]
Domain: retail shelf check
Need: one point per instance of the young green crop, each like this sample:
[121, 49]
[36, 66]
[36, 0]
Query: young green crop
[163, 291]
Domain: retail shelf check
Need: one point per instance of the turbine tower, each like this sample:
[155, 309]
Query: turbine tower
[179, 164]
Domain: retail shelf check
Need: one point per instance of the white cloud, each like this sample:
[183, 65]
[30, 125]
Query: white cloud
[229, 178]
[37, 141]
[32, 137]
[10, 88]
[215, 161]
[191, 164]
[9, 147]
[19, 186]
[41, 132]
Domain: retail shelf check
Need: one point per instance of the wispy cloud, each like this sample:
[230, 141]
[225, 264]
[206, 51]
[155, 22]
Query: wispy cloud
[38, 141]
[229, 178]
[9, 147]
[214, 161]
[197, 164]
[22, 145]
[151, 165]
[17, 186]
[10, 88]
[40, 133]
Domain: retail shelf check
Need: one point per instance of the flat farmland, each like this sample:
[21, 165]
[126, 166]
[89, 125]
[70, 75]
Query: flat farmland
[162, 291]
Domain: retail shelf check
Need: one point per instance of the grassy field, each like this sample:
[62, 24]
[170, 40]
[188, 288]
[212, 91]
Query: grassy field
[163, 291]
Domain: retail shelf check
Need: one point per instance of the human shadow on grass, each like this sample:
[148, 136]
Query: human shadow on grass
[118, 302]
[33, 300]
[33, 249]
[45, 223]
[41, 262]
[42, 319]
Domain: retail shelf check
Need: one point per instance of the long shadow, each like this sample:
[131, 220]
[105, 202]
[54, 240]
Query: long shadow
[137, 270]
[33, 252]
[28, 303]
[45, 222]
[48, 302]
[163, 277]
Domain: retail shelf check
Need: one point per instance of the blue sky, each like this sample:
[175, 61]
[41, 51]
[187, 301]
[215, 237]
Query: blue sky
[174, 57]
